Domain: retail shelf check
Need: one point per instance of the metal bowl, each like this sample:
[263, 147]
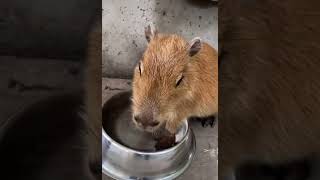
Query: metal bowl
[128, 153]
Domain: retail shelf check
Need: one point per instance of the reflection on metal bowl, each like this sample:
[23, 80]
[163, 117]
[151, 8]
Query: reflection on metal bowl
[128, 153]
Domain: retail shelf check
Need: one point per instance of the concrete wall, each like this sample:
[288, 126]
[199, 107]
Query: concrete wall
[124, 22]
[45, 28]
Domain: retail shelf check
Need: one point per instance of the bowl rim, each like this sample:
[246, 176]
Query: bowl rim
[127, 149]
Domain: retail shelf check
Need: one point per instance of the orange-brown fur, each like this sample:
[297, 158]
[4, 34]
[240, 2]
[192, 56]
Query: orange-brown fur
[165, 58]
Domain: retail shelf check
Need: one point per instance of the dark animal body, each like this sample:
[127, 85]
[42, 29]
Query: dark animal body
[269, 82]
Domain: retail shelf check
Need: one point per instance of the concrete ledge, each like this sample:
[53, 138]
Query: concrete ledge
[24, 81]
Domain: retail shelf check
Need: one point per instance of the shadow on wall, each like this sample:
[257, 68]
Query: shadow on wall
[45, 28]
[124, 22]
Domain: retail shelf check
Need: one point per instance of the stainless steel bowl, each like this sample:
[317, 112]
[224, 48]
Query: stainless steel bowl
[119, 161]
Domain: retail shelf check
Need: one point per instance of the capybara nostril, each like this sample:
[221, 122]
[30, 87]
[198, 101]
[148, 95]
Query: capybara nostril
[154, 123]
[140, 120]
[136, 118]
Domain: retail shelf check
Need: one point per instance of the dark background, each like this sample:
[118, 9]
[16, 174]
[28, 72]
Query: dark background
[45, 28]
[268, 71]
[42, 52]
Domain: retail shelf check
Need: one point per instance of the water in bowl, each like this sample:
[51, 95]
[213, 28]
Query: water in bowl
[118, 124]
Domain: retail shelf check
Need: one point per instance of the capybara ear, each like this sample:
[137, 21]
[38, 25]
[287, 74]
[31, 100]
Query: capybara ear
[194, 46]
[150, 32]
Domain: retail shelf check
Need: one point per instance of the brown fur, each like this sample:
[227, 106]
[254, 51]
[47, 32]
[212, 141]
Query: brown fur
[165, 58]
[269, 79]
[93, 95]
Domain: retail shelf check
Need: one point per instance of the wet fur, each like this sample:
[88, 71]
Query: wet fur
[270, 87]
[165, 58]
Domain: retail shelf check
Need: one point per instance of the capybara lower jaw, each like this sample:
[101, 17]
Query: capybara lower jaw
[152, 129]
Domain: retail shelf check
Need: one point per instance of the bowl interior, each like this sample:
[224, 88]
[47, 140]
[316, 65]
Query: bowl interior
[118, 125]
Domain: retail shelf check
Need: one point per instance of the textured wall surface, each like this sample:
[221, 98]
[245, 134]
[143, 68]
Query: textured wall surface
[124, 22]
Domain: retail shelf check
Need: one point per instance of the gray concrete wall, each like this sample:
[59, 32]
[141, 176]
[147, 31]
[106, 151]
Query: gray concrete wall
[45, 28]
[124, 21]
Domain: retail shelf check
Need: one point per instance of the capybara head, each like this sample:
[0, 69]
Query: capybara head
[159, 84]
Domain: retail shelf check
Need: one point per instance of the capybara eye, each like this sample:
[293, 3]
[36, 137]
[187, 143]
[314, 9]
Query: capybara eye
[179, 81]
[140, 68]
